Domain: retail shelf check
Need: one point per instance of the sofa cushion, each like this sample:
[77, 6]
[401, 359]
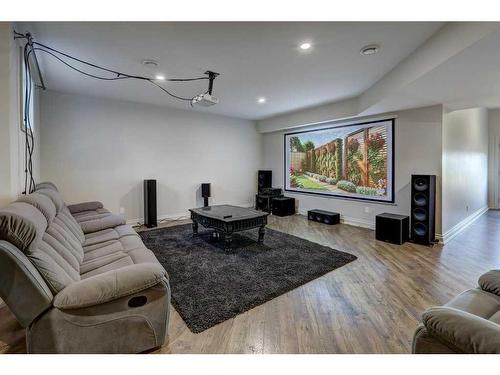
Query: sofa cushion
[72, 224]
[101, 236]
[495, 318]
[115, 233]
[476, 302]
[85, 206]
[57, 247]
[91, 265]
[109, 286]
[99, 224]
[80, 217]
[53, 263]
[114, 265]
[46, 185]
[55, 196]
[102, 249]
[490, 282]
[125, 230]
[23, 225]
[143, 255]
[42, 202]
[114, 254]
[102, 254]
[130, 243]
[462, 331]
[53, 250]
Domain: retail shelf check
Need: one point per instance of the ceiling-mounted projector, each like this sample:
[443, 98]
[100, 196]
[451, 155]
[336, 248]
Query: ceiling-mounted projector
[205, 100]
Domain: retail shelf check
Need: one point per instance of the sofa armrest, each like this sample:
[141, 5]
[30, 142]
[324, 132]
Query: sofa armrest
[462, 330]
[490, 282]
[101, 223]
[110, 286]
[85, 206]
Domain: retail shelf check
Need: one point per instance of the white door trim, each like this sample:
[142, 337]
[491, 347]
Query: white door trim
[496, 171]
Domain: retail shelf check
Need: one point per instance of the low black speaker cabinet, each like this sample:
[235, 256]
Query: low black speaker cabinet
[392, 228]
[325, 217]
[283, 206]
[263, 201]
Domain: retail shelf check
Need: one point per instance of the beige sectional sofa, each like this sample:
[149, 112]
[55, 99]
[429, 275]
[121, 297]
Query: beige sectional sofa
[469, 323]
[79, 279]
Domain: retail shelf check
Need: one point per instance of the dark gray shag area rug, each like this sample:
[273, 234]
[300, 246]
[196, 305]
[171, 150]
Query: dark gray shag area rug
[210, 285]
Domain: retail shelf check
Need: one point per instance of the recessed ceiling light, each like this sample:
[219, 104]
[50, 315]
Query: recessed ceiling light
[160, 77]
[150, 63]
[369, 50]
[261, 100]
[305, 46]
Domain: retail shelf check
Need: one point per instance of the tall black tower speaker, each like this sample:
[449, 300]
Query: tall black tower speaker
[264, 180]
[150, 217]
[205, 193]
[423, 209]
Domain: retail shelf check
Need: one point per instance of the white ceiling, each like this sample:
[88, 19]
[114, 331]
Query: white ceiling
[470, 78]
[254, 59]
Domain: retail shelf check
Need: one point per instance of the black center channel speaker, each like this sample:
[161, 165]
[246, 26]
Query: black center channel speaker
[264, 180]
[423, 209]
[150, 217]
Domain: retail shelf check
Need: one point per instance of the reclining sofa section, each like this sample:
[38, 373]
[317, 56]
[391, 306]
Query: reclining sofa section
[79, 279]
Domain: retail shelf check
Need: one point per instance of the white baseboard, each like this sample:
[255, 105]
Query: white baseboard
[459, 227]
[177, 216]
[357, 222]
[183, 215]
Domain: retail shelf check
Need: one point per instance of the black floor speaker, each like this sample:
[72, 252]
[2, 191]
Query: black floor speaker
[423, 208]
[392, 228]
[264, 180]
[150, 216]
[205, 193]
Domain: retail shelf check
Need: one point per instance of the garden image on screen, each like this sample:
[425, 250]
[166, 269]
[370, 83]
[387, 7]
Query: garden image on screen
[351, 161]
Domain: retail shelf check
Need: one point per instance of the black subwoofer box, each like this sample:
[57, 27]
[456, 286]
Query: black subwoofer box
[150, 217]
[283, 206]
[392, 228]
[423, 208]
[325, 217]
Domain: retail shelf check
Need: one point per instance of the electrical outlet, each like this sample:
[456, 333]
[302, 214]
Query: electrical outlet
[122, 210]
[367, 210]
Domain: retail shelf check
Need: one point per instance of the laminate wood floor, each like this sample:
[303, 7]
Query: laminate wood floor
[371, 305]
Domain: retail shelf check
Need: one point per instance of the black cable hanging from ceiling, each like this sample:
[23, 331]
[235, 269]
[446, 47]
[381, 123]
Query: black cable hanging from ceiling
[117, 75]
[29, 139]
[30, 49]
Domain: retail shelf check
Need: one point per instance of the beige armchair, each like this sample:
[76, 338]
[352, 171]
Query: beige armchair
[470, 323]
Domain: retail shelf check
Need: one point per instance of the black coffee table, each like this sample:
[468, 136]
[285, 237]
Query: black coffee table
[226, 219]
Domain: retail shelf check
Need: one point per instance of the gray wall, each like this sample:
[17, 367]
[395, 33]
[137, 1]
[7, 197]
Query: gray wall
[465, 165]
[494, 154]
[418, 146]
[96, 149]
[11, 136]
